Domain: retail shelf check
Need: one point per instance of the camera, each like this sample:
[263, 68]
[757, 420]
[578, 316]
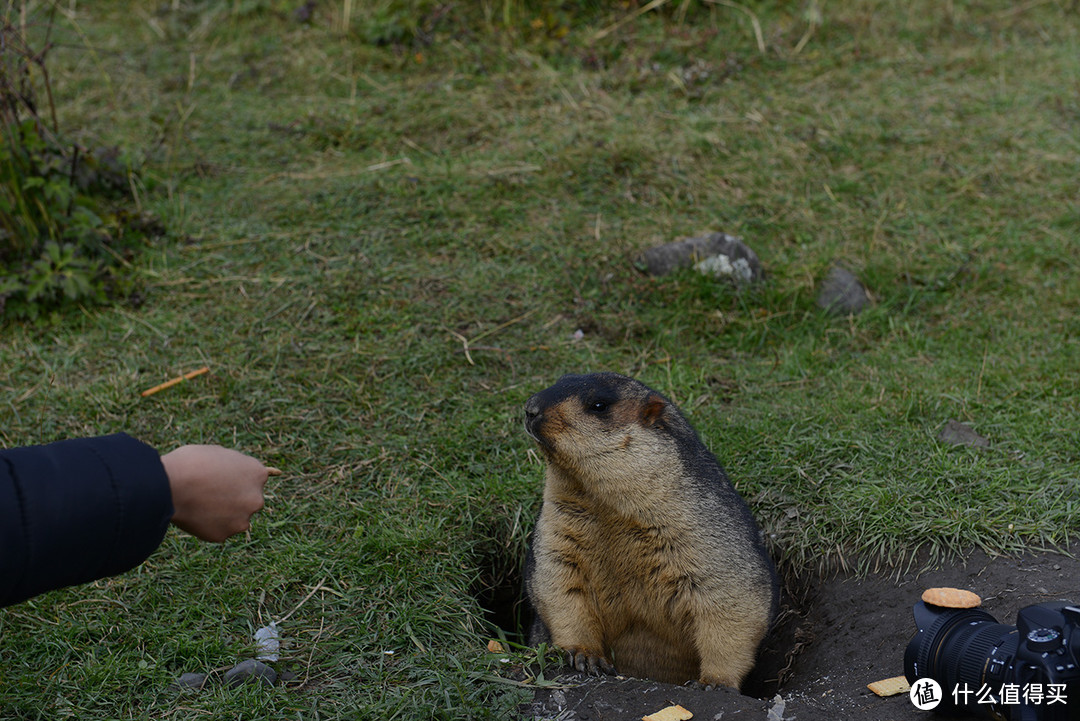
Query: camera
[1026, 672]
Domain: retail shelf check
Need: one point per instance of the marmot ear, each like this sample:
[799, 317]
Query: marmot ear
[652, 410]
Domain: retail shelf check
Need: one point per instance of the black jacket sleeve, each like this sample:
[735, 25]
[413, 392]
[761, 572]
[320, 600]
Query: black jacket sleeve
[78, 510]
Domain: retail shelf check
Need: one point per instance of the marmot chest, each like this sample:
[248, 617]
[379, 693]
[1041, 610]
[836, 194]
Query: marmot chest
[626, 563]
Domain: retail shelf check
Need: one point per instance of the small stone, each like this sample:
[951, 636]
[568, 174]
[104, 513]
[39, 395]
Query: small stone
[190, 680]
[719, 254]
[268, 643]
[248, 671]
[841, 293]
[959, 434]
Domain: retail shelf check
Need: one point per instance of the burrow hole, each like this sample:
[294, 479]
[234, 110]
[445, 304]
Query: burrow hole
[500, 593]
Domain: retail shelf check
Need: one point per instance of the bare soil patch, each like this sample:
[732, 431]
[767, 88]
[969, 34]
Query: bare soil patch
[847, 632]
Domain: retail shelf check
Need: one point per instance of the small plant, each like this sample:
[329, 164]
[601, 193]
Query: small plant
[64, 219]
[58, 276]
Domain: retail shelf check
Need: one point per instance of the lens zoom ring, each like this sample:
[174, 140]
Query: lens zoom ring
[964, 656]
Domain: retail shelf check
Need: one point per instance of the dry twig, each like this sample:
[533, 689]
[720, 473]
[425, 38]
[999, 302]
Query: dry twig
[632, 16]
[170, 383]
[758, 35]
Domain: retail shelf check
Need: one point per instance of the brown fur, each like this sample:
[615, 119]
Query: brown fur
[644, 558]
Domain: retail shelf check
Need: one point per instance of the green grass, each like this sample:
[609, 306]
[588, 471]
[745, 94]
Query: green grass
[346, 216]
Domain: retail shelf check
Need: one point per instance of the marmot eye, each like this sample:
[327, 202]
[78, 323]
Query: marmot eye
[598, 406]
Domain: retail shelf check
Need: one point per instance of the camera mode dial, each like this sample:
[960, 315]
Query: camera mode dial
[1043, 639]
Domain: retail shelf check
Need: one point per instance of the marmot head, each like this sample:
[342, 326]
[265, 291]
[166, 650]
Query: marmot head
[604, 426]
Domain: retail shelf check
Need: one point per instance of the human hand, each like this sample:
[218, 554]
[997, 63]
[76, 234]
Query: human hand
[215, 490]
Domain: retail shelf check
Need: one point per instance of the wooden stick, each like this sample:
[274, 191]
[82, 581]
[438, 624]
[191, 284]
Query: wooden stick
[174, 381]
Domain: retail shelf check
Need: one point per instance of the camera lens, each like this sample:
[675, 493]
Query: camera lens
[1026, 672]
[959, 648]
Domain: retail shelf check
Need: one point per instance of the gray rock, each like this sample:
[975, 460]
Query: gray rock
[960, 434]
[841, 293]
[190, 680]
[719, 254]
[250, 670]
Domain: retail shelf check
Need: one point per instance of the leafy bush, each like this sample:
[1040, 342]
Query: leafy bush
[66, 228]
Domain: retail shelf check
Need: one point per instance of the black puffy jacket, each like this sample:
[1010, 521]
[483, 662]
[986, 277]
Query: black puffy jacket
[78, 510]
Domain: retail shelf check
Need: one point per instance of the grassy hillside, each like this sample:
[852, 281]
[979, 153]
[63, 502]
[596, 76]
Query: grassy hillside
[390, 220]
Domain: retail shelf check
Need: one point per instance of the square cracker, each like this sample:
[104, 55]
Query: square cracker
[671, 713]
[890, 686]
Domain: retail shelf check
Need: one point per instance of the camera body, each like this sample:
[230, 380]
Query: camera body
[1026, 672]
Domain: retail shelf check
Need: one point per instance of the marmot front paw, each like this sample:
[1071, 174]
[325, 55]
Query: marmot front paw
[588, 662]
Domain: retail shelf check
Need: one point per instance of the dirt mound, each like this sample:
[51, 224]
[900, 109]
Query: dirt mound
[850, 632]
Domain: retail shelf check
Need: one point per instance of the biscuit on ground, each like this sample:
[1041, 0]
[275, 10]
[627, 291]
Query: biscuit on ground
[671, 713]
[951, 598]
[890, 686]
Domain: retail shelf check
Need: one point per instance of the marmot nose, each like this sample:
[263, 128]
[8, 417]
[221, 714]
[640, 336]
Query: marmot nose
[532, 417]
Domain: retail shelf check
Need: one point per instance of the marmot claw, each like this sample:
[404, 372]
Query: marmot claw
[589, 663]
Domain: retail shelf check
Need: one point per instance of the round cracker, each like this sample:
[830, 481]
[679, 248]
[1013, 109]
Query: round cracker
[951, 598]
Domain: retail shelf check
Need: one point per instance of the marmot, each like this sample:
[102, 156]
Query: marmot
[644, 558]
